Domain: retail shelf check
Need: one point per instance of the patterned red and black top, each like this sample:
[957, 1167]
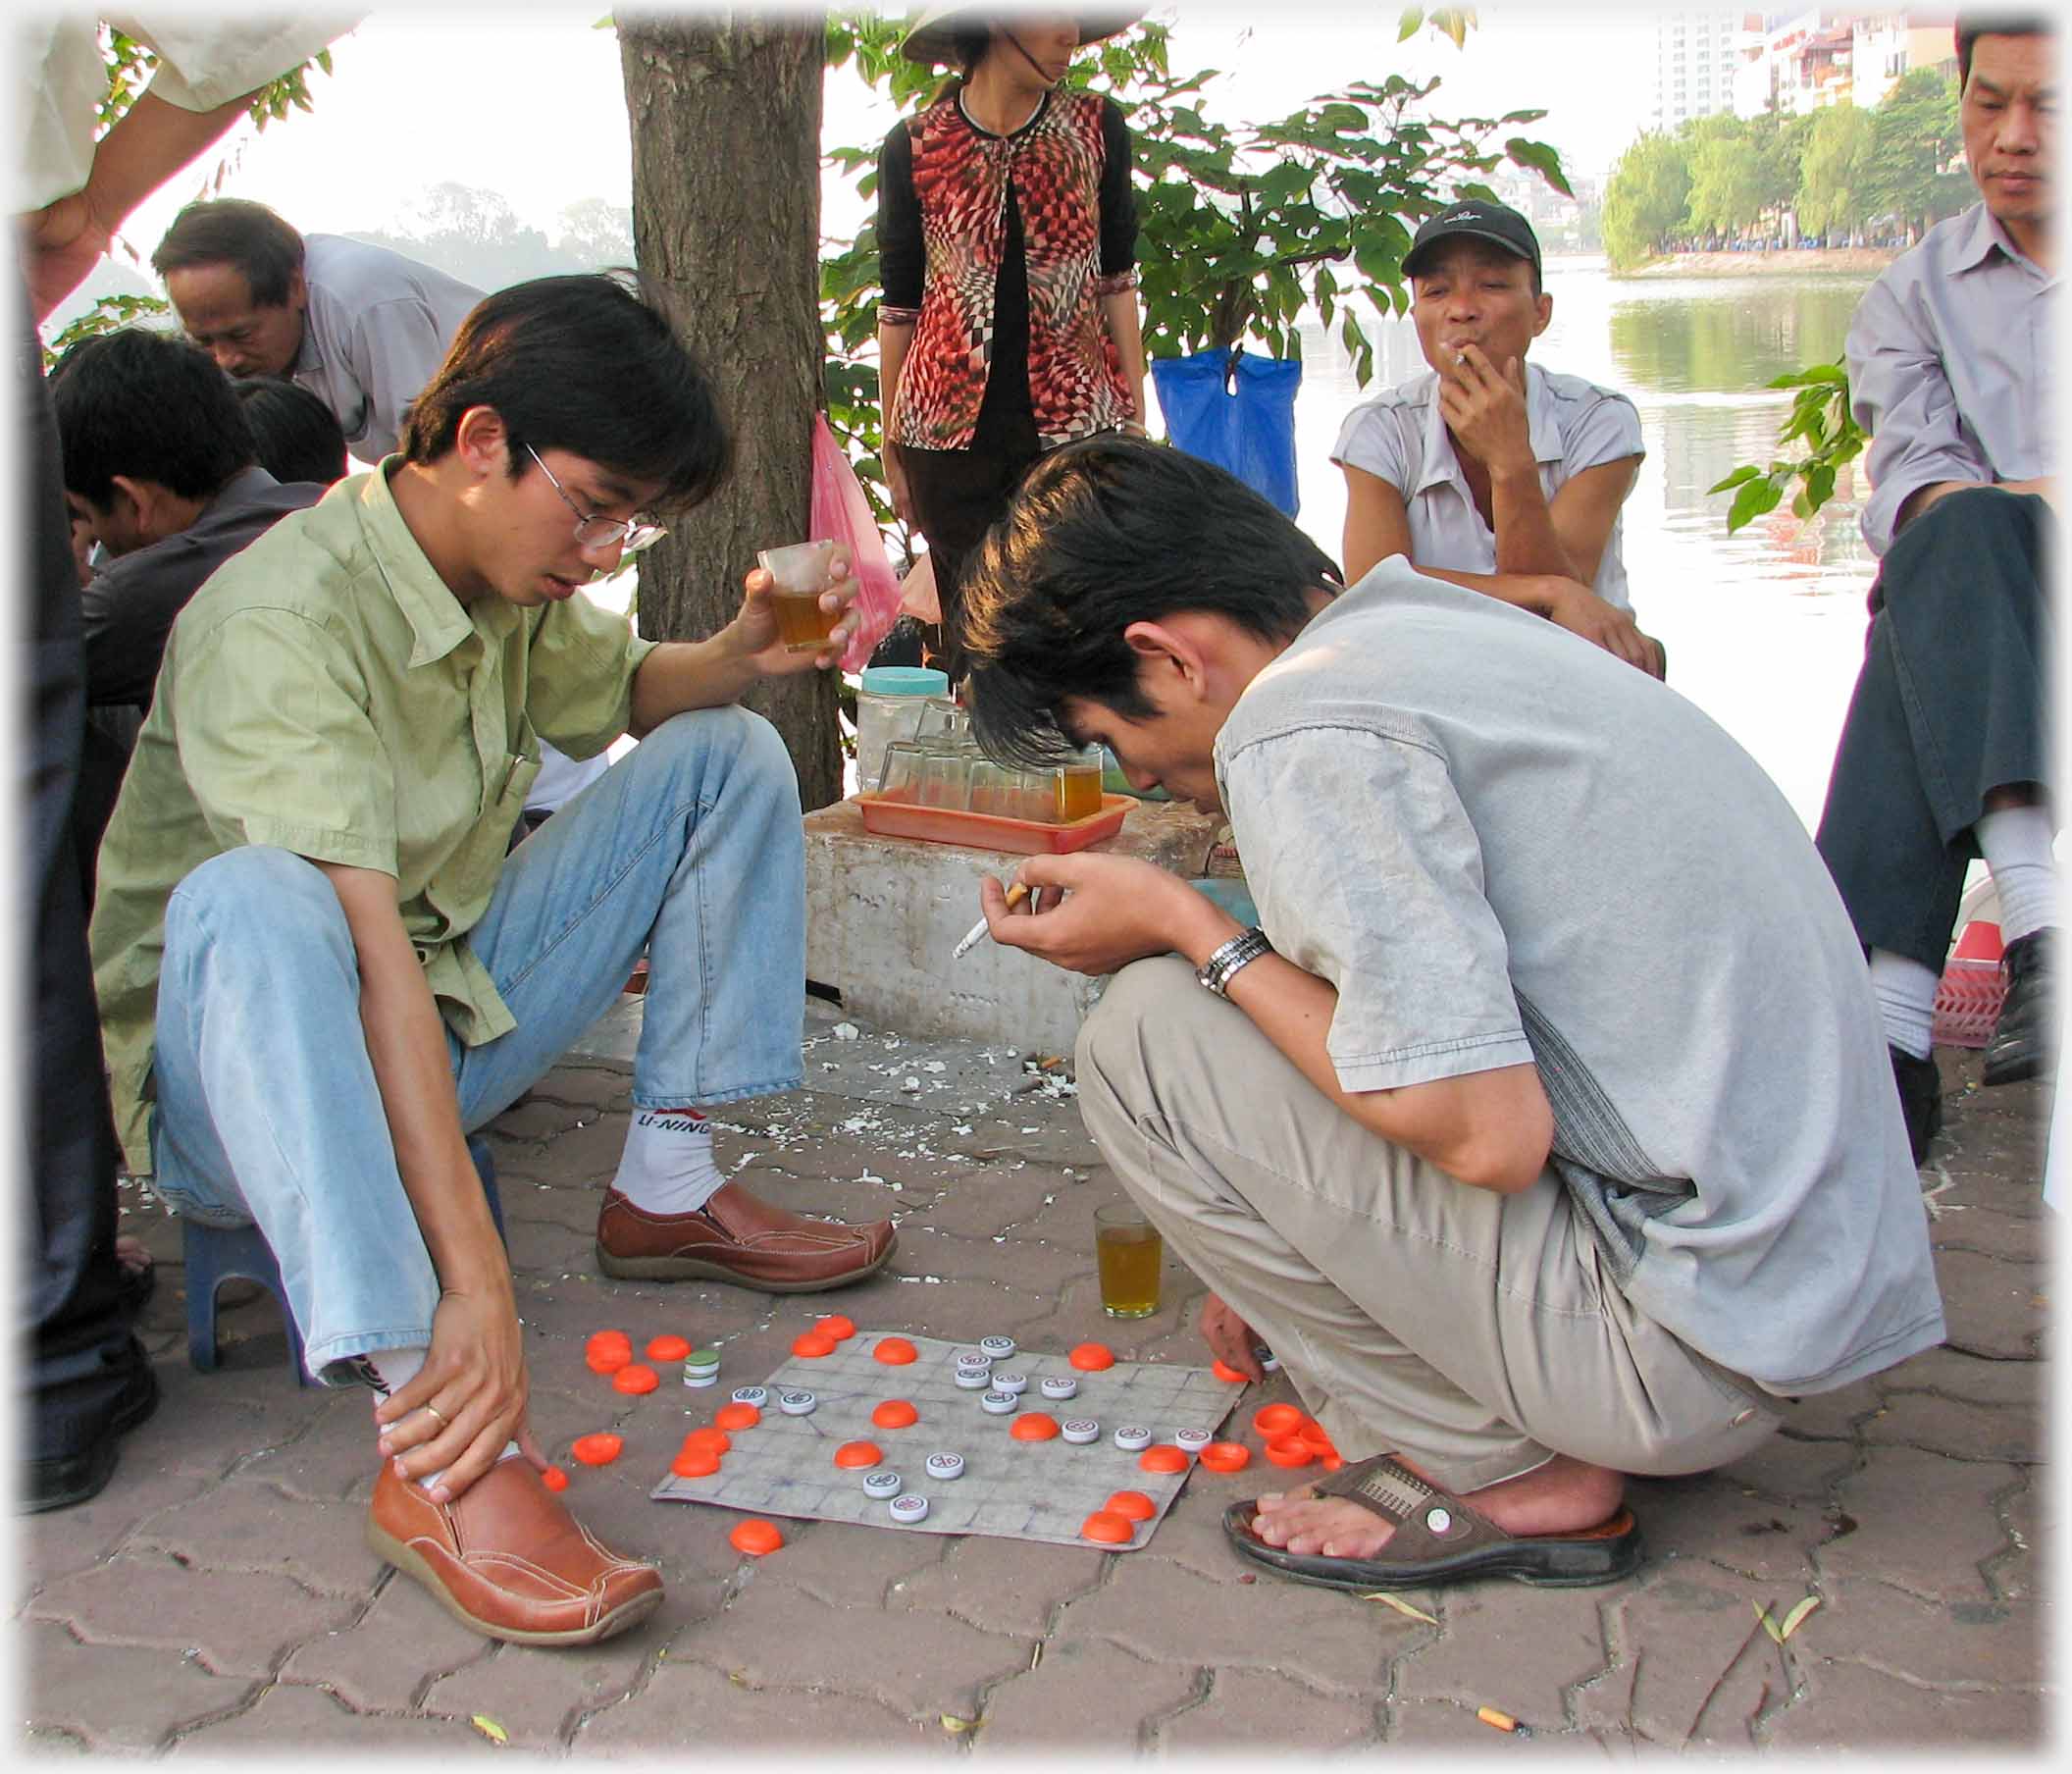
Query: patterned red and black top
[954, 203]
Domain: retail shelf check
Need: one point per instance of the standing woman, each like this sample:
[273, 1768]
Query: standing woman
[1007, 238]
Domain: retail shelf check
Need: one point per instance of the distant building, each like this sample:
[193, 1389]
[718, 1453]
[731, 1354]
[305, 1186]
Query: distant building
[1803, 61]
[1695, 59]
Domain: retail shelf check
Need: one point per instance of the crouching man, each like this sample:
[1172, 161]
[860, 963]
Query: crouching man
[318, 971]
[1543, 1128]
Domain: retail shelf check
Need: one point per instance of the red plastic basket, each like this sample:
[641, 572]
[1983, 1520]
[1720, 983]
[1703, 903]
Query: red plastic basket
[1968, 1003]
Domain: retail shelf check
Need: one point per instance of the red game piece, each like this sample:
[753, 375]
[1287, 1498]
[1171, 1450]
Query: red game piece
[756, 1537]
[1092, 1358]
[554, 1479]
[1107, 1528]
[607, 1358]
[1276, 1420]
[636, 1377]
[895, 1351]
[669, 1349]
[812, 1346]
[1226, 1456]
[735, 1416]
[1034, 1426]
[852, 1456]
[1224, 1372]
[1290, 1450]
[599, 1449]
[895, 1413]
[1133, 1505]
[836, 1324]
[1163, 1458]
[695, 1463]
[712, 1441]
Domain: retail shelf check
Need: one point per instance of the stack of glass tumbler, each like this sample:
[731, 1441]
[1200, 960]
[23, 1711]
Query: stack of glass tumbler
[941, 765]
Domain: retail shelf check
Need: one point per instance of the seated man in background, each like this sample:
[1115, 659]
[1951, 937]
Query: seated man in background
[159, 469]
[310, 845]
[297, 437]
[1487, 471]
[1946, 752]
[1541, 1127]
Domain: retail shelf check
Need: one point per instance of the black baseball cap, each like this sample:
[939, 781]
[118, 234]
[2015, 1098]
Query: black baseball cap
[1479, 220]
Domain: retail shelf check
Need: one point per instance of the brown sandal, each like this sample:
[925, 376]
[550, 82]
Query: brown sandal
[1440, 1540]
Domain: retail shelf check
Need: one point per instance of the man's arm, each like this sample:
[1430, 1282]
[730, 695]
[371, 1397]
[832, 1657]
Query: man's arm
[1489, 1129]
[397, 348]
[894, 337]
[476, 1366]
[1377, 525]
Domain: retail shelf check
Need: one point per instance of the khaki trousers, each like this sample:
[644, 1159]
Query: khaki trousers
[1477, 1333]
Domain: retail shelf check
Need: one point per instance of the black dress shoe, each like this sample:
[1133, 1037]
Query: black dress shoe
[2024, 1042]
[61, 1481]
[1920, 1099]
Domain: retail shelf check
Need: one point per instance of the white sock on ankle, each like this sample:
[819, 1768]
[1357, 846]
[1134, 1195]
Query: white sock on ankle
[1907, 1001]
[397, 1369]
[2016, 845]
[667, 1166]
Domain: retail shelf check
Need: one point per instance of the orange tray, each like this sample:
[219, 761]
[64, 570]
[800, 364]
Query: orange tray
[990, 831]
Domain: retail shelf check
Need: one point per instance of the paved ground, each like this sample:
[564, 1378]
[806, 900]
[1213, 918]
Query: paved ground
[218, 1596]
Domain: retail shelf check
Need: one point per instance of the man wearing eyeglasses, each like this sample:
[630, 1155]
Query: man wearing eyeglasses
[318, 971]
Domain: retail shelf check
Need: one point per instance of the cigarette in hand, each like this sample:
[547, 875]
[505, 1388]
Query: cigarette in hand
[1015, 895]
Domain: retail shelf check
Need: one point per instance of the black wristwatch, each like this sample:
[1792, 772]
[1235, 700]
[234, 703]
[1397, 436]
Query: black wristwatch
[1245, 947]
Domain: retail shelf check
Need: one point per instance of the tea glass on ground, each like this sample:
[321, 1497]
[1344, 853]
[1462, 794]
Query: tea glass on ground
[1127, 1250]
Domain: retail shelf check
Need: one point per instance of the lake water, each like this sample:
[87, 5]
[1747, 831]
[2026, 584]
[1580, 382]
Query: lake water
[1764, 630]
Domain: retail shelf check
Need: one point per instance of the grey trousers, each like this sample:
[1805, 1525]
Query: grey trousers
[1478, 1334]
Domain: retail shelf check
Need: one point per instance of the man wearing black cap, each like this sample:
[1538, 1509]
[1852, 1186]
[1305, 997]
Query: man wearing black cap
[1505, 479]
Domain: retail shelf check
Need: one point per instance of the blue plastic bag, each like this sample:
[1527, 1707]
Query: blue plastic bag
[1244, 421]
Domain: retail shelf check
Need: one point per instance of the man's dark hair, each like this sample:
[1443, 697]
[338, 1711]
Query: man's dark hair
[1971, 26]
[588, 364]
[149, 406]
[232, 232]
[970, 39]
[296, 435]
[1102, 533]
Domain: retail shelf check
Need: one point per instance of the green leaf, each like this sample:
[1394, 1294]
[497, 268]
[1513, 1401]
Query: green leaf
[490, 1728]
[1538, 157]
[1795, 1616]
[1769, 1625]
[1400, 1606]
[1407, 26]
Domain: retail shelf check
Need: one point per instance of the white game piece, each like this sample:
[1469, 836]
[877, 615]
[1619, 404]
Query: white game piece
[696, 1377]
[882, 1485]
[973, 1379]
[1014, 1384]
[907, 1508]
[1132, 1439]
[973, 1358]
[1081, 1430]
[999, 1404]
[1267, 1359]
[1191, 1441]
[1058, 1385]
[998, 1347]
[797, 1404]
[756, 1396]
[946, 1466]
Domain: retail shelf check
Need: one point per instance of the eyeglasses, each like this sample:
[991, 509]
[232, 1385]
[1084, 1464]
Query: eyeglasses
[596, 531]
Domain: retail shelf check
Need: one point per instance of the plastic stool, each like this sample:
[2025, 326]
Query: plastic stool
[215, 1254]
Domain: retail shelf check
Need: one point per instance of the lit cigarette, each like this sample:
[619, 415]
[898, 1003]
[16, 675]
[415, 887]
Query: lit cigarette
[1015, 895]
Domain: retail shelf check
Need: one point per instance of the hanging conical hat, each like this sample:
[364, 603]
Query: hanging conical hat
[928, 38]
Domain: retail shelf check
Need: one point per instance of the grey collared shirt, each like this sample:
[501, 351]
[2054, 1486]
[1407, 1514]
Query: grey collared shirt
[375, 328]
[1951, 367]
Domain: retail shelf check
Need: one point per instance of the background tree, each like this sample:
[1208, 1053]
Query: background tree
[1727, 178]
[725, 122]
[1645, 200]
[1831, 188]
[1914, 137]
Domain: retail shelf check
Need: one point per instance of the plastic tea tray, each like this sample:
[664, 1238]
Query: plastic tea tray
[902, 818]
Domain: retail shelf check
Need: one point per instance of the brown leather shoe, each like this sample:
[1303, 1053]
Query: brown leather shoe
[735, 1238]
[509, 1560]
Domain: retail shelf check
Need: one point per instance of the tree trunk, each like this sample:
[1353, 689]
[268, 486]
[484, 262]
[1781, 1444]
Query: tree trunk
[725, 115]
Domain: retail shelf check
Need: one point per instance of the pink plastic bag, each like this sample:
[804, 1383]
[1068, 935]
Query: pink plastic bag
[841, 512]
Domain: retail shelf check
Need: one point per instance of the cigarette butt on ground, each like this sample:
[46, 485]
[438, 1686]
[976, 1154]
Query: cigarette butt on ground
[1015, 895]
[1503, 1721]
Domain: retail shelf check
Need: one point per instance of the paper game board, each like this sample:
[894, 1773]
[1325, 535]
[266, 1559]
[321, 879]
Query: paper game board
[1040, 1491]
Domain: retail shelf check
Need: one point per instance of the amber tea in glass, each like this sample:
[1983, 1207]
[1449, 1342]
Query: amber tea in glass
[1128, 1250]
[1078, 791]
[800, 574]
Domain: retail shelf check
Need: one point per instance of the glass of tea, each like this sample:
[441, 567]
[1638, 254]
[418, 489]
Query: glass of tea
[800, 574]
[1128, 1250]
[1078, 787]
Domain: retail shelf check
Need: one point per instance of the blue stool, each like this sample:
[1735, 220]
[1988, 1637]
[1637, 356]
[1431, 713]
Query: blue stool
[215, 1254]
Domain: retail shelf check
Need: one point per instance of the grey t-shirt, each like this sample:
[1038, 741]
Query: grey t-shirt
[1502, 845]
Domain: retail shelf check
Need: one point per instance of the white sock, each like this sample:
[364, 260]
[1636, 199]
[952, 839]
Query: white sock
[2016, 845]
[667, 1166]
[1907, 1001]
[396, 1367]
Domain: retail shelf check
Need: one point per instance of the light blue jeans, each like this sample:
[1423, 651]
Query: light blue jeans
[690, 847]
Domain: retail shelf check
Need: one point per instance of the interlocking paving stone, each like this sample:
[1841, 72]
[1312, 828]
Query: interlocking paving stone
[1950, 1371]
[1011, 1587]
[1924, 1523]
[242, 1622]
[116, 1697]
[1708, 1517]
[1509, 1647]
[1850, 1707]
[384, 1661]
[1789, 1469]
[1991, 1305]
[1974, 1644]
[1690, 1671]
[537, 1694]
[1165, 1614]
[919, 1664]
[850, 1566]
[1082, 1695]
[1254, 1708]
[1450, 1726]
[313, 1721]
[689, 1703]
[255, 1528]
[61, 1542]
[1959, 1428]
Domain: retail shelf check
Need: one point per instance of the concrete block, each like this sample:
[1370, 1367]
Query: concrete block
[883, 915]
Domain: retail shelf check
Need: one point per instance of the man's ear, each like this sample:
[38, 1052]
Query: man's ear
[144, 500]
[482, 440]
[1543, 303]
[1167, 646]
[297, 290]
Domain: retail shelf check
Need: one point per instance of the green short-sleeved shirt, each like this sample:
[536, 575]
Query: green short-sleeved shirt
[325, 692]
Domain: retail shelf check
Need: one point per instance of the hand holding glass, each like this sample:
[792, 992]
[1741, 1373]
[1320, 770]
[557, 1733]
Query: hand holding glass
[799, 574]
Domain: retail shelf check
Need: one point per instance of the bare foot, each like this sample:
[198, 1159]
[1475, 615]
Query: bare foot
[132, 1255]
[1563, 1497]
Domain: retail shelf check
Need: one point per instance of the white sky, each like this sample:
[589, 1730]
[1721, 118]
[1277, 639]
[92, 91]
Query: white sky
[531, 103]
